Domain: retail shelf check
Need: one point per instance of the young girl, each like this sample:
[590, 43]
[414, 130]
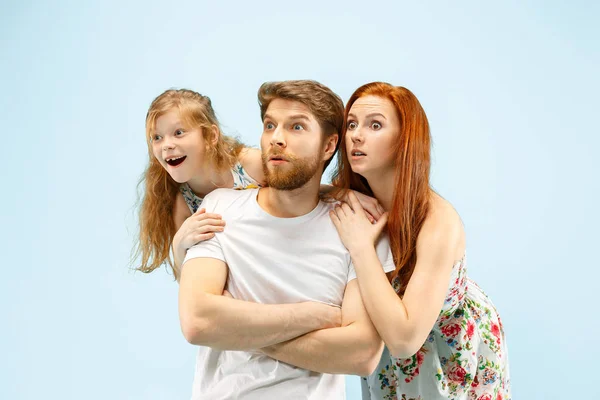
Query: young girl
[443, 335]
[188, 158]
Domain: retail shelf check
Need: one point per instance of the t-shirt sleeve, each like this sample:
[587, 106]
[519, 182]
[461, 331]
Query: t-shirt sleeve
[210, 248]
[384, 253]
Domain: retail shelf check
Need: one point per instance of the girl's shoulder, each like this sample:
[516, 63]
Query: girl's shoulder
[251, 160]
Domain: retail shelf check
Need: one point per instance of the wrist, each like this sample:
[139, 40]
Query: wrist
[178, 244]
[361, 248]
[311, 316]
[359, 252]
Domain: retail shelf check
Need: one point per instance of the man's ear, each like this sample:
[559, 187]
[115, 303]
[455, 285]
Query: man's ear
[330, 146]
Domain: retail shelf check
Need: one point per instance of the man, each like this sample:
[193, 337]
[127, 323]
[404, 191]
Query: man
[281, 335]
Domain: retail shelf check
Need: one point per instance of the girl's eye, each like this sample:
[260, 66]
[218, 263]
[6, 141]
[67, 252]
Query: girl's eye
[352, 125]
[297, 127]
[178, 132]
[155, 138]
[376, 125]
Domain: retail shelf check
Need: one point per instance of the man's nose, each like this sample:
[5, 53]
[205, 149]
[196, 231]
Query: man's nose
[278, 137]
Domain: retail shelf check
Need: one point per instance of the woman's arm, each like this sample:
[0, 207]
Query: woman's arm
[404, 324]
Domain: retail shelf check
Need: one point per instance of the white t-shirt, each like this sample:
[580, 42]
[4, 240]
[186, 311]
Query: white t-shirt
[273, 260]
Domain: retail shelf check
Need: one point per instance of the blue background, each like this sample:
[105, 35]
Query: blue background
[511, 91]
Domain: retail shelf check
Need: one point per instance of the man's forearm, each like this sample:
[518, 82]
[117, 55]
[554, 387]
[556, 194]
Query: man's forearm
[347, 350]
[231, 324]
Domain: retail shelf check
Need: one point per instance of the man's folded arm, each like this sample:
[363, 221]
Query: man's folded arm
[354, 348]
[209, 319]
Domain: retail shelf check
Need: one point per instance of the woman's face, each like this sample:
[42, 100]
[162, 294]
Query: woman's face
[180, 151]
[372, 132]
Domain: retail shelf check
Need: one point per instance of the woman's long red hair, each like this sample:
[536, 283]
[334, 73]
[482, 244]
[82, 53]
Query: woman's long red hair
[411, 188]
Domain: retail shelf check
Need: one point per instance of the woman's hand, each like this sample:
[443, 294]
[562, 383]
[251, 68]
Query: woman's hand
[369, 204]
[356, 230]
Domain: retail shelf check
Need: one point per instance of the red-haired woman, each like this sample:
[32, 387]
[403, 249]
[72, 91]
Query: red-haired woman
[443, 335]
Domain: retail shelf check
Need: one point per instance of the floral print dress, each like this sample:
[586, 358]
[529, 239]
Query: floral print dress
[241, 180]
[464, 356]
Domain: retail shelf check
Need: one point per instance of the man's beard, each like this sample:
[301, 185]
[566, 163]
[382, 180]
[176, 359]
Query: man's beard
[292, 175]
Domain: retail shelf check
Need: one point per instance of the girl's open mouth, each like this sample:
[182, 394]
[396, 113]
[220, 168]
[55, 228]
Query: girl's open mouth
[176, 161]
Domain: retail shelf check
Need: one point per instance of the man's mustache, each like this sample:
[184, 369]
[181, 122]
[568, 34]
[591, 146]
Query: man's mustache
[282, 155]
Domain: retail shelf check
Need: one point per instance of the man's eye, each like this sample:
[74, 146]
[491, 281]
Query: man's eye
[297, 127]
[269, 126]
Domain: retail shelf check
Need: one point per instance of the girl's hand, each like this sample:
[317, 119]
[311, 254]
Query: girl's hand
[356, 230]
[199, 227]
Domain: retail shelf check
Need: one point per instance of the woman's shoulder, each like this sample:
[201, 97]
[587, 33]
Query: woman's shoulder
[442, 224]
[441, 210]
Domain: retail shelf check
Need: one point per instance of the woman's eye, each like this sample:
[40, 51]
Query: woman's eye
[376, 125]
[297, 127]
[352, 125]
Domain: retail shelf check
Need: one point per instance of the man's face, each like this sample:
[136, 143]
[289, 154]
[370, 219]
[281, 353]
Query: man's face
[292, 145]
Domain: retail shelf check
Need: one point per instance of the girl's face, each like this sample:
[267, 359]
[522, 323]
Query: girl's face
[372, 132]
[180, 151]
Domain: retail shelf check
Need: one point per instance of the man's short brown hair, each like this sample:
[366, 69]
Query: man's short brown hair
[326, 106]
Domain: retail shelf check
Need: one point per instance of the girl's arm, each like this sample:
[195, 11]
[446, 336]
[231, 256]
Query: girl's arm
[191, 229]
[194, 228]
